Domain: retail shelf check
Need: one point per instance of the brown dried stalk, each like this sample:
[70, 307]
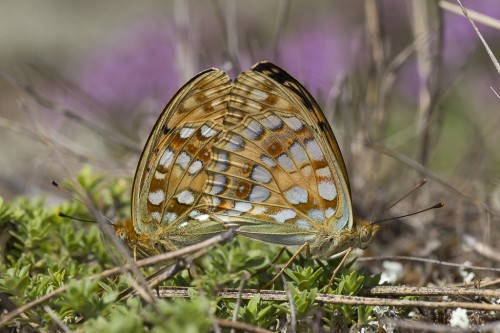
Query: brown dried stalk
[281, 296]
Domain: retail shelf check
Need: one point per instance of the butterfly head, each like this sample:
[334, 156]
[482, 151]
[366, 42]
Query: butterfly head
[124, 230]
[141, 246]
[366, 232]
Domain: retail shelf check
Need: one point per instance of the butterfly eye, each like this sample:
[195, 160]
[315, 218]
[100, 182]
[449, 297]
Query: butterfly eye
[122, 234]
[365, 237]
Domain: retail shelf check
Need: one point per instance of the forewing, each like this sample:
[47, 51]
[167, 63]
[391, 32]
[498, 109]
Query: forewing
[170, 174]
[266, 86]
[277, 171]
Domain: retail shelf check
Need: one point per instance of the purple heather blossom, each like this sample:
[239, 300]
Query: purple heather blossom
[319, 55]
[460, 41]
[138, 65]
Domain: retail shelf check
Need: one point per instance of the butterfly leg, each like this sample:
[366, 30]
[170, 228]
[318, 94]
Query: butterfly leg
[308, 251]
[345, 253]
[270, 264]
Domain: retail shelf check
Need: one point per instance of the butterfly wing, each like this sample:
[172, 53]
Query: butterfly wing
[315, 116]
[276, 172]
[170, 173]
[251, 94]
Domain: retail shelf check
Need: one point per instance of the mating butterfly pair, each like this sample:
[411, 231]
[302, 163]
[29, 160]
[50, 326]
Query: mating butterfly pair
[256, 155]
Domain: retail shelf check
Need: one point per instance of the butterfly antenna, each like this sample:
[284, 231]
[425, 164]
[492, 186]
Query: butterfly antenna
[413, 189]
[438, 205]
[74, 196]
[61, 214]
[416, 187]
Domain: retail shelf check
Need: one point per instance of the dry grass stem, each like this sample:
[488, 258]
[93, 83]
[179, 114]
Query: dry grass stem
[238, 300]
[57, 320]
[281, 296]
[422, 326]
[430, 291]
[70, 114]
[486, 46]
[474, 15]
[481, 248]
[429, 261]
[293, 312]
[241, 326]
[429, 174]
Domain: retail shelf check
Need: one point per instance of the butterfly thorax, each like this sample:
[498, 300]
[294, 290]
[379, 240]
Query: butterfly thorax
[328, 244]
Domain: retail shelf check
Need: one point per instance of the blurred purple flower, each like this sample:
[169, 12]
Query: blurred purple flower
[319, 55]
[137, 65]
[460, 41]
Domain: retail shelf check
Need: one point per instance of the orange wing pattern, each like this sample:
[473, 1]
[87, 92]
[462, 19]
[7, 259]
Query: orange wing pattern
[256, 155]
[276, 173]
[170, 174]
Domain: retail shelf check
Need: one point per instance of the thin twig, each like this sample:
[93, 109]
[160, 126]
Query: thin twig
[399, 291]
[216, 326]
[238, 300]
[241, 326]
[281, 23]
[430, 261]
[422, 326]
[424, 16]
[374, 27]
[58, 321]
[428, 174]
[232, 34]
[265, 268]
[490, 283]
[476, 16]
[486, 46]
[104, 223]
[481, 248]
[142, 286]
[114, 271]
[146, 293]
[70, 114]
[430, 291]
[280, 296]
[293, 312]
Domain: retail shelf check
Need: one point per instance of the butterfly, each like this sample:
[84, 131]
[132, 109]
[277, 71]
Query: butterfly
[171, 174]
[277, 174]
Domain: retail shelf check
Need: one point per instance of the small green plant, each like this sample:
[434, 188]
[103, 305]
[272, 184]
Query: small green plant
[305, 278]
[303, 300]
[44, 252]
